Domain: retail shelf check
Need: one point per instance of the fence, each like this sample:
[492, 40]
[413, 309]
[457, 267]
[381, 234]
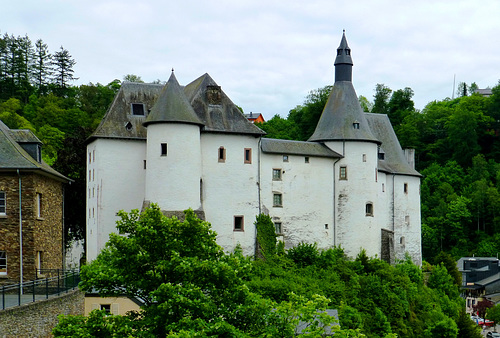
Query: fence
[55, 283]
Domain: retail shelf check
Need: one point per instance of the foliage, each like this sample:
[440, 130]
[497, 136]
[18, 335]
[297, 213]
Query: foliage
[482, 306]
[493, 313]
[266, 236]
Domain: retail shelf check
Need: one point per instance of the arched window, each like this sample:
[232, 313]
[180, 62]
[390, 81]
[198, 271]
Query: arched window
[369, 209]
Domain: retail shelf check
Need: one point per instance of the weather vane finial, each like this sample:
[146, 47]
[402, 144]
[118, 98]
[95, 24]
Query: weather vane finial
[172, 69]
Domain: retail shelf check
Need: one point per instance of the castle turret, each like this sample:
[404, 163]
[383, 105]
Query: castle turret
[173, 151]
[343, 61]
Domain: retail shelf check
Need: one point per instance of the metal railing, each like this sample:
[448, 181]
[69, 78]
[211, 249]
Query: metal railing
[32, 291]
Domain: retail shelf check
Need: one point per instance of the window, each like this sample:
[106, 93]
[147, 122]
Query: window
[90, 157]
[38, 205]
[369, 209]
[277, 200]
[2, 203]
[248, 155]
[407, 220]
[285, 158]
[306, 159]
[402, 240]
[326, 226]
[138, 109]
[355, 125]
[343, 173]
[222, 154]
[163, 149]
[405, 188]
[144, 164]
[3, 262]
[277, 227]
[364, 157]
[106, 308]
[276, 174]
[39, 260]
[238, 223]
[383, 187]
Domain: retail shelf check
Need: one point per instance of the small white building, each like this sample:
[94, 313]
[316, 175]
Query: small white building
[350, 185]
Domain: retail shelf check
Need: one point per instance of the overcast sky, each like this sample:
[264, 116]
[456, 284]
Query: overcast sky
[267, 55]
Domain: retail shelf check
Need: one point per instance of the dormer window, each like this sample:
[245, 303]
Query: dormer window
[39, 153]
[128, 126]
[347, 52]
[355, 125]
[138, 109]
[339, 51]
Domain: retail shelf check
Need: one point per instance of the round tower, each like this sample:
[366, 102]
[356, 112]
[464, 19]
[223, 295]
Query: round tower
[173, 156]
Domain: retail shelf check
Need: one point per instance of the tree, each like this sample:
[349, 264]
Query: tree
[381, 99]
[132, 78]
[366, 105]
[266, 236]
[493, 313]
[482, 306]
[188, 285]
[63, 64]
[42, 66]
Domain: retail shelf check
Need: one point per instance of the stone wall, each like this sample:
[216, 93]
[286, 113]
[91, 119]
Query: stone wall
[39, 318]
[39, 233]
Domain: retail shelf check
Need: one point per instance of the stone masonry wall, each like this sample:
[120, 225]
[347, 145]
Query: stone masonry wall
[39, 318]
[39, 234]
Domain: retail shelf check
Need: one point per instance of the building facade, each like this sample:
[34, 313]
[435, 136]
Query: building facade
[31, 209]
[349, 185]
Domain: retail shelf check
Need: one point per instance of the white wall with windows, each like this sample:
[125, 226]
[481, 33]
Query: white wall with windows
[115, 181]
[229, 188]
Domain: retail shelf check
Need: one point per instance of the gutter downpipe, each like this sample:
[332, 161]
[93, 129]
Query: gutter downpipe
[334, 199]
[393, 202]
[258, 172]
[20, 234]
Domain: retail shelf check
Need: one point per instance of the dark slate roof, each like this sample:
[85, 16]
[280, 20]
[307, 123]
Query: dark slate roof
[172, 106]
[341, 111]
[344, 57]
[14, 157]
[119, 114]
[395, 161]
[289, 147]
[216, 110]
[24, 136]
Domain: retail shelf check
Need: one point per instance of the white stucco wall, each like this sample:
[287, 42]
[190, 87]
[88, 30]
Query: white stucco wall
[306, 213]
[355, 230]
[230, 188]
[115, 181]
[173, 181]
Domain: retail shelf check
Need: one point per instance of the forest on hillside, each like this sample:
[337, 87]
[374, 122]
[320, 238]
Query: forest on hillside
[456, 141]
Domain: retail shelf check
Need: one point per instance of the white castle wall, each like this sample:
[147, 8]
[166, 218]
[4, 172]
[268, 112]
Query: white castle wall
[355, 230]
[173, 181]
[115, 181]
[307, 191]
[230, 189]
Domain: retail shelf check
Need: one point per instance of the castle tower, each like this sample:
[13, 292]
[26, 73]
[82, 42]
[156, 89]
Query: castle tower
[343, 128]
[173, 156]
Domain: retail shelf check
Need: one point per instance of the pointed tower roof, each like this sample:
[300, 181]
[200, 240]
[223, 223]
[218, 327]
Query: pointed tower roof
[342, 118]
[172, 106]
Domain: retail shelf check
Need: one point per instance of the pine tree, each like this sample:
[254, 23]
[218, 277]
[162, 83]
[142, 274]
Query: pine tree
[42, 66]
[63, 70]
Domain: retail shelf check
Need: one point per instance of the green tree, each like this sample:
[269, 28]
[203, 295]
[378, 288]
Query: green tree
[266, 236]
[132, 78]
[41, 69]
[63, 64]
[366, 105]
[381, 99]
[493, 313]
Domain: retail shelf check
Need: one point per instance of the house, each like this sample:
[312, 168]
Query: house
[255, 117]
[349, 185]
[480, 279]
[31, 209]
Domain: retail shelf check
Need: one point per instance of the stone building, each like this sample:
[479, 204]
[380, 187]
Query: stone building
[349, 185]
[31, 209]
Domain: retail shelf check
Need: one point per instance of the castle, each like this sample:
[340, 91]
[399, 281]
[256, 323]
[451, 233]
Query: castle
[349, 185]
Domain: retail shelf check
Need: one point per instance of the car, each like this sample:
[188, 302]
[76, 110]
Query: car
[493, 335]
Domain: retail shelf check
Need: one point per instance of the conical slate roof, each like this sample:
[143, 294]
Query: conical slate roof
[172, 106]
[214, 108]
[342, 118]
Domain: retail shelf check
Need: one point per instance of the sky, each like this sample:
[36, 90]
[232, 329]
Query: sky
[268, 55]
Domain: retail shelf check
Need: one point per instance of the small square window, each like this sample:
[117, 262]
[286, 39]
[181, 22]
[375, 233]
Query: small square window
[106, 308]
[222, 154]
[343, 173]
[306, 159]
[277, 200]
[138, 109]
[369, 209]
[276, 174]
[277, 227]
[238, 223]
[163, 149]
[3, 262]
[248, 155]
[2, 203]
[285, 158]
